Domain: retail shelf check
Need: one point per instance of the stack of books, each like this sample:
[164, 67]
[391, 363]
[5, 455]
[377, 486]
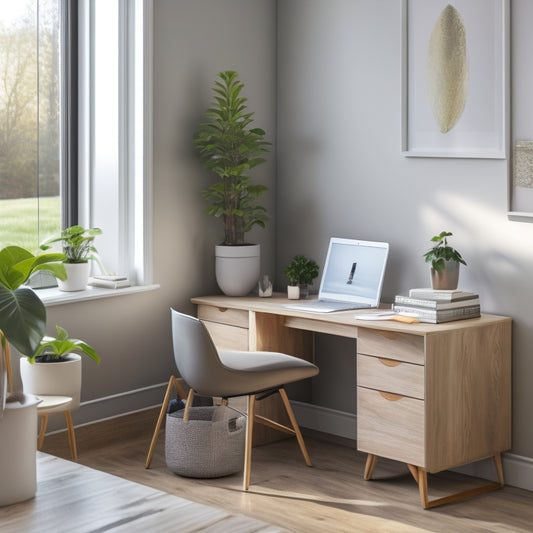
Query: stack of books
[435, 306]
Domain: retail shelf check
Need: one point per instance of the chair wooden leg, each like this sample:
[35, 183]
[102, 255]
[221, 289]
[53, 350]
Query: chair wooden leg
[188, 404]
[371, 461]
[172, 382]
[295, 426]
[71, 436]
[42, 430]
[248, 444]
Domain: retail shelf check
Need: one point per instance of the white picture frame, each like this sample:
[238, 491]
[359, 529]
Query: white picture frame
[482, 128]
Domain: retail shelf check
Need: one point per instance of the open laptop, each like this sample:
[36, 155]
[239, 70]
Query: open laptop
[352, 277]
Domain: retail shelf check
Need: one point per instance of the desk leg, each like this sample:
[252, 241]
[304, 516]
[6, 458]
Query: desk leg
[423, 486]
[371, 461]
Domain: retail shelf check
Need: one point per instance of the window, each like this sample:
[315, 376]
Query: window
[30, 103]
[75, 127]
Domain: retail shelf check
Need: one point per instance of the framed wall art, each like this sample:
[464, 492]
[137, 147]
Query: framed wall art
[455, 78]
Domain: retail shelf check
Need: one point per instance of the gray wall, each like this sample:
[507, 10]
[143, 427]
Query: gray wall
[341, 173]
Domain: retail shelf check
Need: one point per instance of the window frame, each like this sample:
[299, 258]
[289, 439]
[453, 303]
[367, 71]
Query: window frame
[132, 234]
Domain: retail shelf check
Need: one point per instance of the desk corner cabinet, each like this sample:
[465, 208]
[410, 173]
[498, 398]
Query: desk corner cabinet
[434, 396]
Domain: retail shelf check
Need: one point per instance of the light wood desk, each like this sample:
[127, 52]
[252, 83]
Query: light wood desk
[434, 396]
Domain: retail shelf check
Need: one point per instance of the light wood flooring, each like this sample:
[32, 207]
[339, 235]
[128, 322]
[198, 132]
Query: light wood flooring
[329, 497]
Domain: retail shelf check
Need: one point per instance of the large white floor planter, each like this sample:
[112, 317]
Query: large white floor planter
[18, 446]
[77, 277]
[61, 378]
[237, 268]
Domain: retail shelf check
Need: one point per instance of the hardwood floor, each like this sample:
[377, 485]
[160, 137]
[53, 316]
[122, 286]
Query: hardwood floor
[329, 497]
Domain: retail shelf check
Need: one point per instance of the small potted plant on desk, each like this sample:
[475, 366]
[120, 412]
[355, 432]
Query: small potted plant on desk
[301, 272]
[445, 262]
[78, 249]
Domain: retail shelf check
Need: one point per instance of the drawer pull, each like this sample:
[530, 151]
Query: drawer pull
[388, 334]
[222, 309]
[391, 397]
[389, 362]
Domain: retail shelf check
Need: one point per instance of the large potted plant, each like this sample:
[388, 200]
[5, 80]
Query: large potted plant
[445, 262]
[301, 272]
[22, 324]
[79, 249]
[231, 148]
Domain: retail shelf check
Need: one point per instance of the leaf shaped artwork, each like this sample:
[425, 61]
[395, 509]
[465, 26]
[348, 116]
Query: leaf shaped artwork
[447, 69]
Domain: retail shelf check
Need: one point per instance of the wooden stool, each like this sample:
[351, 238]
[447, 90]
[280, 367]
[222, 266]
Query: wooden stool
[56, 404]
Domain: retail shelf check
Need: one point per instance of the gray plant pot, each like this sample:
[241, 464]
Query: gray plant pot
[447, 278]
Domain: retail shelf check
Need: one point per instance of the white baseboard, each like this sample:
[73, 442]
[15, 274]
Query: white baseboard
[517, 469]
[112, 406]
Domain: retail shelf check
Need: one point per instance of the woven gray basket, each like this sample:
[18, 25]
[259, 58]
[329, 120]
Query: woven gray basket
[209, 444]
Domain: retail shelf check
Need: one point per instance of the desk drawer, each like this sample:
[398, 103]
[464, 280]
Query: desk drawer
[390, 376]
[228, 337]
[390, 426]
[391, 345]
[223, 315]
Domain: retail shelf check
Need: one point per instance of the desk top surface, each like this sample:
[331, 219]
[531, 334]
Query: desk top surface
[276, 305]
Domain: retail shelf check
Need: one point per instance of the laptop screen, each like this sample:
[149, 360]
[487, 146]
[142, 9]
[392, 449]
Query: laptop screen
[354, 271]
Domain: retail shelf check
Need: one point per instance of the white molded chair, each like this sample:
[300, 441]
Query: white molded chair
[231, 373]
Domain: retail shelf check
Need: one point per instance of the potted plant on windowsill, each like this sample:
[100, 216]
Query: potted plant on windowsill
[445, 262]
[301, 272]
[79, 249]
[231, 149]
[55, 367]
[22, 325]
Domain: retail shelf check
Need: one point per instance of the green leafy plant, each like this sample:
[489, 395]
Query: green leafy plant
[301, 270]
[77, 244]
[22, 313]
[231, 149]
[56, 348]
[441, 252]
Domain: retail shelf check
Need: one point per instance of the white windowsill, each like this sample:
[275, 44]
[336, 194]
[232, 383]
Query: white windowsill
[53, 296]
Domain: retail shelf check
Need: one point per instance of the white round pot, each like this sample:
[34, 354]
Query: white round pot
[77, 277]
[18, 446]
[61, 378]
[237, 268]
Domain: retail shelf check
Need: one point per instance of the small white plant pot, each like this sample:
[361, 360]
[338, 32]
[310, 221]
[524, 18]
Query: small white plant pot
[60, 378]
[77, 277]
[293, 292]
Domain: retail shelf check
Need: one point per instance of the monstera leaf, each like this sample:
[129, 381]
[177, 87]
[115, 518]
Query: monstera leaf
[22, 313]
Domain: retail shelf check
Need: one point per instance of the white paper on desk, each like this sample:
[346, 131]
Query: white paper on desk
[383, 315]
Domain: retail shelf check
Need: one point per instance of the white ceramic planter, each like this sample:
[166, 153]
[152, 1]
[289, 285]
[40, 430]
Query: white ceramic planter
[293, 292]
[237, 268]
[18, 447]
[62, 378]
[77, 277]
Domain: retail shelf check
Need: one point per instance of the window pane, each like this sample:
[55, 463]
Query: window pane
[29, 121]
